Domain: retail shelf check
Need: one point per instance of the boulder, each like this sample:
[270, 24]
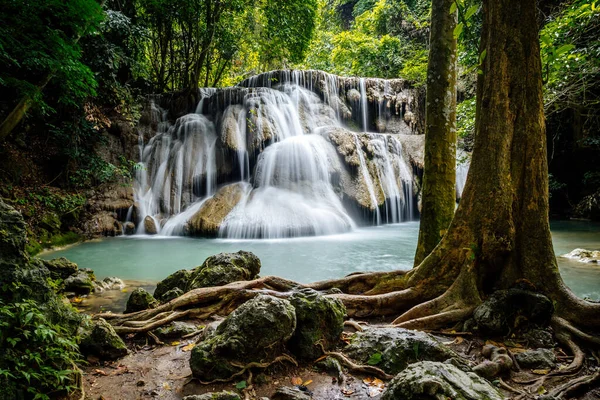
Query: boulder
[225, 395]
[319, 320]
[584, 256]
[82, 282]
[507, 310]
[435, 380]
[175, 330]
[207, 221]
[102, 341]
[60, 268]
[150, 225]
[109, 283]
[224, 268]
[396, 348]
[129, 228]
[291, 393]
[537, 359]
[177, 280]
[171, 294]
[255, 332]
[140, 300]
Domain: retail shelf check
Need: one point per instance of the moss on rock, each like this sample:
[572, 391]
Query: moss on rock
[140, 300]
[255, 332]
[224, 268]
[177, 280]
[319, 320]
[101, 340]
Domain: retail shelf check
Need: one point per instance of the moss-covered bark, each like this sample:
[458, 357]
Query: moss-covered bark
[439, 174]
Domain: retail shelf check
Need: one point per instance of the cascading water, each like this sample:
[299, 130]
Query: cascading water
[272, 158]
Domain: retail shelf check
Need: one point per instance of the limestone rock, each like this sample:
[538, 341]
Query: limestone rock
[255, 332]
[319, 320]
[536, 359]
[225, 395]
[505, 309]
[177, 280]
[171, 294]
[82, 282]
[290, 393]
[140, 300]
[150, 225]
[224, 268]
[435, 380]
[207, 221]
[129, 228]
[175, 330]
[60, 268]
[109, 283]
[584, 256]
[398, 348]
[102, 341]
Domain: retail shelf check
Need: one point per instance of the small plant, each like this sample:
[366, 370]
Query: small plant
[374, 359]
[38, 357]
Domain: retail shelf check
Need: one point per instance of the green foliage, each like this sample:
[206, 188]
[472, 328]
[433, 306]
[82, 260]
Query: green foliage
[38, 356]
[465, 121]
[95, 171]
[374, 359]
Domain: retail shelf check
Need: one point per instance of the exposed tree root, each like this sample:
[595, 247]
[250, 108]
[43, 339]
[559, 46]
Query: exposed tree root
[352, 366]
[246, 367]
[575, 385]
[354, 325]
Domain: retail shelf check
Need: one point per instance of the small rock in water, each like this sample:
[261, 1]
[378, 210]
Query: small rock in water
[109, 283]
[82, 282]
[537, 359]
[584, 256]
[150, 225]
[129, 228]
[431, 380]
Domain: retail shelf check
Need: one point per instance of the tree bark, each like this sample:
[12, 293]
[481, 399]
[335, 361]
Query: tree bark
[439, 175]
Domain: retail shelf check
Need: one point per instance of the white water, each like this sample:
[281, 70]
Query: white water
[272, 133]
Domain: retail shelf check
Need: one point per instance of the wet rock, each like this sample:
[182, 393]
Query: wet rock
[60, 268]
[290, 393]
[207, 221]
[171, 294]
[584, 256]
[102, 341]
[224, 268]
[140, 300]
[398, 348]
[255, 332]
[129, 228]
[539, 338]
[175, 330]
[225, 395]
[150, 225]
[537, 359]
[319, 320]
[82, 282]
[177, 280]
[109, 283]
[507, 310]
[435, 380]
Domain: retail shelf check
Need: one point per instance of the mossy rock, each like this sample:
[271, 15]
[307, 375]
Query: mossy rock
[102, 341]
[140, 300]
[319, 320]
[224, 268]
[431, 380]
[175, 330]
[171, 294]
[82, 282]
[393, 349]
[60, 268]
[177, 280]
[255, 332]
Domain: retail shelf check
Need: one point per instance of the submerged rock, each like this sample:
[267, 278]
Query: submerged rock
[225, 395]
[536, 359]
[255, 332]
[584, 256]
[140, 300]
[397, 348]
[82, 282]
[319, 320]
[435, 380]
[175, 330]
[177, 280]
[102, 341]
[207, 221]
[224, 268]
[507, 310]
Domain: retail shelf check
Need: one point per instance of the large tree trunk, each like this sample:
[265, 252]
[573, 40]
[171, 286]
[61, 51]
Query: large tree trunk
[439, 174]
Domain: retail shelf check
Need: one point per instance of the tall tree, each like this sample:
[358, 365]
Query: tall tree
[439, 174]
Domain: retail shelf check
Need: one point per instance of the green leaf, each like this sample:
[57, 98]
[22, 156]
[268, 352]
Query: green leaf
[374, 359]
[472, 10]
[240, 385]
[564, 48]
[482, 56]
[453, 8]
[458, 30]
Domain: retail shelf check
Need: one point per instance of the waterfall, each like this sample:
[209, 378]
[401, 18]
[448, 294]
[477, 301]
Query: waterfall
[283, 136]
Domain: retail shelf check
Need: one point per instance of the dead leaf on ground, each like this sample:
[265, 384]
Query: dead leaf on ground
[376, 386]
[175, 343]
[100, 372]
[308, 382]
[541, 371]
[347, 392]
[296, 380]
[188, 347]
